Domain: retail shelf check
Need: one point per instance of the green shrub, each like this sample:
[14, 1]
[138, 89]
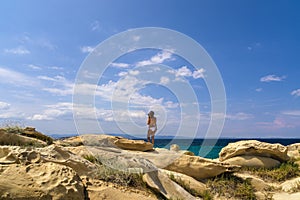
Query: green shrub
[122, 178]
[228, 185]
[284, 172]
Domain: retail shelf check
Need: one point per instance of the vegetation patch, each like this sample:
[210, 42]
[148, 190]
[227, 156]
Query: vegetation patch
[284, 172]
[230, 186]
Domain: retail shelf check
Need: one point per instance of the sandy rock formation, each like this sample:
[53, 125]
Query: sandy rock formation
[294, 151]
[193, 184]
[159, 181]
[254, 148]
[175, 147]
[52, 153]
[7, 138]
[199, 168]
[253, 161]
[40, 181]
[136, 145]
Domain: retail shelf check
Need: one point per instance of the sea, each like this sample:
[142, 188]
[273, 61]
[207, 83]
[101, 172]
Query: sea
[210, 148]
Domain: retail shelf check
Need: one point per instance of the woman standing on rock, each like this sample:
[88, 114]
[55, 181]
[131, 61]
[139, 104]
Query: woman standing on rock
[152, 127]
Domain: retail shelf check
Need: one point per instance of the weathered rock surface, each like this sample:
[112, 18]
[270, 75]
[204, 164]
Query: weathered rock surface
[40, 181]
[175, 147]
[294, 151]
[287, 196]
[291, 185]
[199, 168]
[52, 153]
[253, 161]
[102, 140]
[192, 183]
[136, 145]
[163, 184]
[254, 148]
[17, 139]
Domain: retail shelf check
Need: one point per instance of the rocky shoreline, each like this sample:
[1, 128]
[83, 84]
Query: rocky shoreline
[34, 166]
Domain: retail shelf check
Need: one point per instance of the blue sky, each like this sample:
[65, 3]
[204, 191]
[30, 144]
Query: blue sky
[255, 45]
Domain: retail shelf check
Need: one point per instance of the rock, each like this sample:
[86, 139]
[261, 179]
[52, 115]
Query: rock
[284, 195]
[254, 148]
[40, 181]
[160, 182]
[189, 153]
[197, 186]
[294, 151]
[52, 153]
[17, 139]
[199, 168]
[136, 145]
[257, 183]
[62, 156]
[31, 132]
[253, 161]
[291, 185]
[175, 147]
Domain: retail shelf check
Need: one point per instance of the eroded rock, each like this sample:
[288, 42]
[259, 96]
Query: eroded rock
[254, 148]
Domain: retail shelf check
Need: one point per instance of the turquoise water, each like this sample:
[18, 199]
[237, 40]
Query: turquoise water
[210, 148]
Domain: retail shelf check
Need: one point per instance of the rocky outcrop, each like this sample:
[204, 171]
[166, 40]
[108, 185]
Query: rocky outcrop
[52, 153]
[7, 138]
[136, 145]
[253, 161]
[197, 186]
[102, 140]
[199, 168]
[294, 151]
[160, 182]
[254, 148]
[40, 181]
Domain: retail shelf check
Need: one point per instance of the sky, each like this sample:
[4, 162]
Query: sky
[46, 45]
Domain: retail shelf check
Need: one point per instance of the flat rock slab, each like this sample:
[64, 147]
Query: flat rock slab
[254, 148]
[199, 168]
[163, 184]
[253, 161]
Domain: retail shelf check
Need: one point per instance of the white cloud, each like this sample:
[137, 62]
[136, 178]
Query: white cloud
[239, 116]
[258, 89]
[54, 111]
[62, 87]
[295, 113]
[120, 65]
[4, 105]
[95, 26]
[8, 76]
[272, 77]
[198, 73]
[164, 80]
[87, 49]
[20, 50]
[296, 93]
[171, 104]
[183, 71]
[34, 67]
[136, 38]
[134, 72]
[157, 59]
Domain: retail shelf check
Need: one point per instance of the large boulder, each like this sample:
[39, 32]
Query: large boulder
[160, 182]
[291, 185]
[40, 181]
[253, 161]
[254, 148]
[199, 168]
[194, 185]
[136, 145]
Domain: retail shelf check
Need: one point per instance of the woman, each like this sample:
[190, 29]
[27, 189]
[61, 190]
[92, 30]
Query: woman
[152, 127]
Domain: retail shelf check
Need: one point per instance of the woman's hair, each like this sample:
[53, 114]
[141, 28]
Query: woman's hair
[151, 113]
